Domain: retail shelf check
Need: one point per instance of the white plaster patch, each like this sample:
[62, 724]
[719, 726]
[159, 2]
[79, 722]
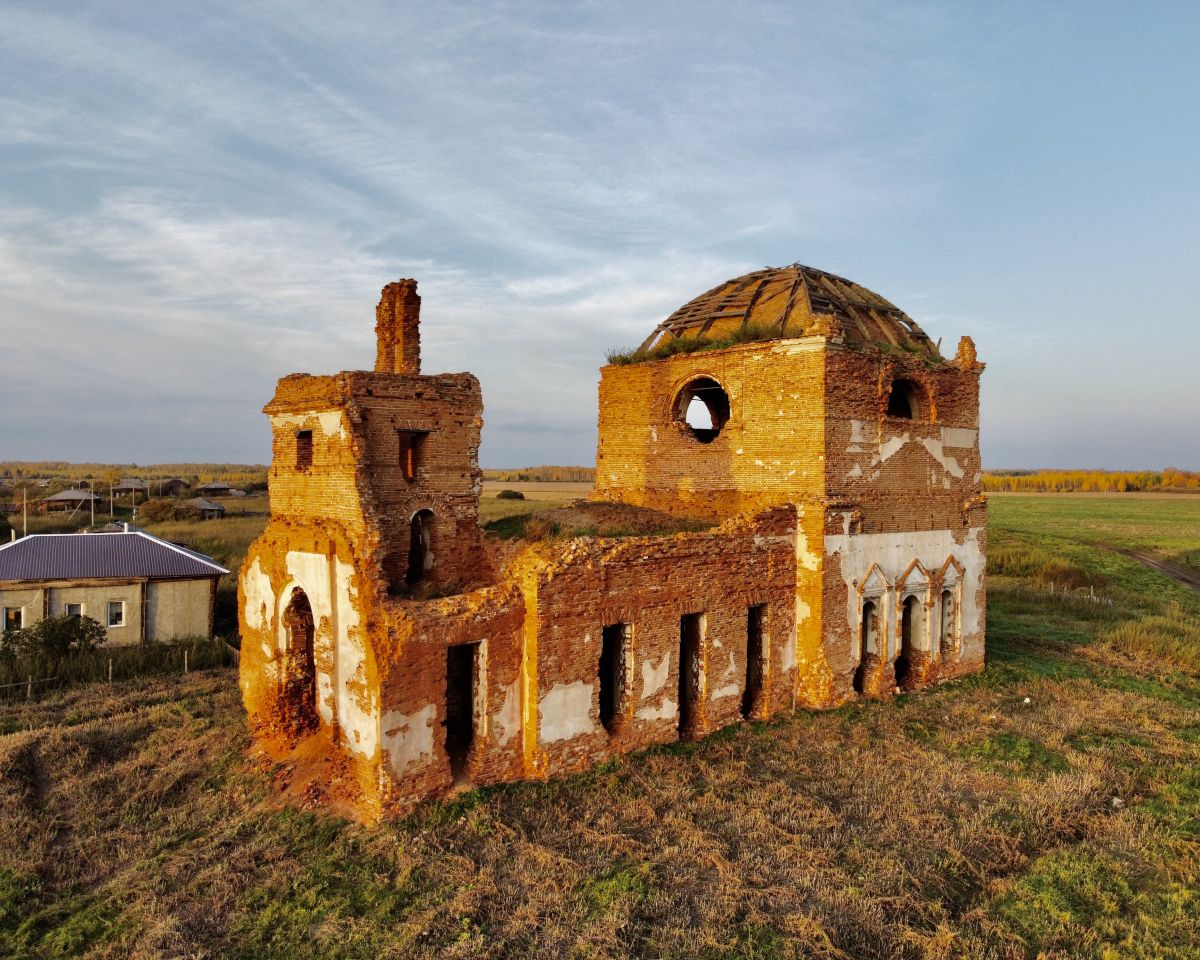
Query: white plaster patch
[889, 448]
[854, 472]
[804, 557]
[566, 711]
[331, 422]
[787, 654]
[729, 690]
[668, 711]
[508, 720]
[408, 737]
[357, 719]
[260, 598]
[949, 464]
[959, 437]
[655, 678]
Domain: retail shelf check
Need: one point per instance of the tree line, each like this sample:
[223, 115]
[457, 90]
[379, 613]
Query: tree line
[1170, 480]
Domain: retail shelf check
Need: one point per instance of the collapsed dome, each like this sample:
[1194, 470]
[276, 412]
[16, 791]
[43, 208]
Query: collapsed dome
[796, 301]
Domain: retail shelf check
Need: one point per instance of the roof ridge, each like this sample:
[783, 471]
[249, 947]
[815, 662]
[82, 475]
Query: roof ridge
[178, 549]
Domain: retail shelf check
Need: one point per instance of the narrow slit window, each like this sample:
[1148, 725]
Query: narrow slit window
[756, 662]
[304, 449]
[614, 675]
[410, 443]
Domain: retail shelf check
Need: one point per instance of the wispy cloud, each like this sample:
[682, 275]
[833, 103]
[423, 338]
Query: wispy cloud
[200, 199]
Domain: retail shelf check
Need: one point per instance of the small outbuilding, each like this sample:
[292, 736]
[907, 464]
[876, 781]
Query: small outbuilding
[207, 509]
[214, 488]
[67, 500]
[139, 587]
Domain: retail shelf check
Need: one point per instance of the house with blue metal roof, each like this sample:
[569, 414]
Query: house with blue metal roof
[139, 587]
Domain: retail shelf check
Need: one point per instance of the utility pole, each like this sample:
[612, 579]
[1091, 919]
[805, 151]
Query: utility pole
[110, 501]
[25, 511]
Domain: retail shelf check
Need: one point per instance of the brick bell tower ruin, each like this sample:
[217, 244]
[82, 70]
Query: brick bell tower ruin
[809, 461]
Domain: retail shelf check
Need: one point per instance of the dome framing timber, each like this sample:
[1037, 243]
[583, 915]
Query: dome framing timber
[795, 301]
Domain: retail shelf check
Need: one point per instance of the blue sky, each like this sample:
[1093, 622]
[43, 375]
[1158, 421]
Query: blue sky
[196, 199]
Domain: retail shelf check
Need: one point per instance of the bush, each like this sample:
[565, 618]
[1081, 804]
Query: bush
[49, 641]
[153, 511]
[510, 495]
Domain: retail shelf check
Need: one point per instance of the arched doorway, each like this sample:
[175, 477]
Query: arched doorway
[868, 637]
[300, 684]
[420, 546]
[911, 624]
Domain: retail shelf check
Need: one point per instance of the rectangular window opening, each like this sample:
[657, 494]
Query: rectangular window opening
[411, 443]
[752, 695]
[116, 613]
[304, 449]
[14, 618]
[462, 680]
[73, 609]
[614, 673]
[691, 643]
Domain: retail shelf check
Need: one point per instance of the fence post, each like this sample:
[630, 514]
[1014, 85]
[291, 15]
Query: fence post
[29, 688]
[110, 669]
[185, 653]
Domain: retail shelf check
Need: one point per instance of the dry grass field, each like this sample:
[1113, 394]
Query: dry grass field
[1049, 807]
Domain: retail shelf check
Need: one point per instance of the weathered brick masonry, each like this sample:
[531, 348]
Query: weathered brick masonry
[830, 450]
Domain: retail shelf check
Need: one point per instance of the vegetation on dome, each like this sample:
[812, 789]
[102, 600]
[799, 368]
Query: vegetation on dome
[677, 345]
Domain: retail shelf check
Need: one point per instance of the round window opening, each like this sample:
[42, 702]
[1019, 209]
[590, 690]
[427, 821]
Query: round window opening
[904, 400]
[702, 408]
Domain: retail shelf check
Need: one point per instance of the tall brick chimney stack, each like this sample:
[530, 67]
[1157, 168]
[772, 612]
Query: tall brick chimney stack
[397, 327]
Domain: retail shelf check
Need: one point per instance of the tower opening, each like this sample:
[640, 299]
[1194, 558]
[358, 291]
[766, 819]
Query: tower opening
[702, 408]
[420, 547]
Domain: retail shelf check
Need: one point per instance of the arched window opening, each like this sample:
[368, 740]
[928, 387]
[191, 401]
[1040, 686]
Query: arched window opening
[910, 640]
[904, 402]
[949, 632]
[702, 408]
[302, 678]
[420, 546]
[868, 636]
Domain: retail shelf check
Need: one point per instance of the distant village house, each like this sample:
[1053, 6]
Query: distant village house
[140, 588]
[67, 500]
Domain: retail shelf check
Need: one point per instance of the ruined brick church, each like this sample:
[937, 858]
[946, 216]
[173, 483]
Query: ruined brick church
[802, 466]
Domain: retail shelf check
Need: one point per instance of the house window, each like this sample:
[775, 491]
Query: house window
[116, 613]
[14, 618]
[73, 609]
[411, 442]
[304, 449]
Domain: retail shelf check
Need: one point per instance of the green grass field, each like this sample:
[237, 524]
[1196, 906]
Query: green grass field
[961, 822]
